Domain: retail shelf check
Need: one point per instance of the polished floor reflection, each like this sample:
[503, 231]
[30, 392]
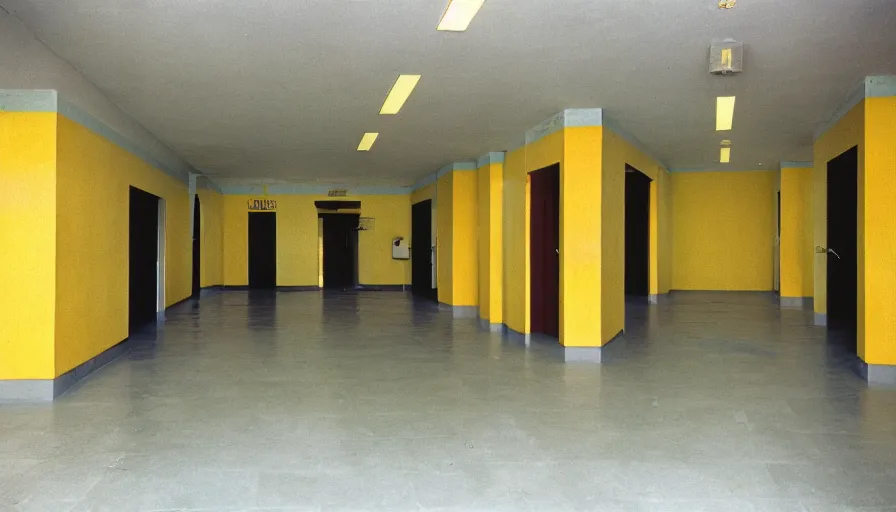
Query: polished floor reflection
[370, 401]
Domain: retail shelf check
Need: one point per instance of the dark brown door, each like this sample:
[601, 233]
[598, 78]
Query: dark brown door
[340, 250]
[842, 268]
[262, 250]
[544, 250]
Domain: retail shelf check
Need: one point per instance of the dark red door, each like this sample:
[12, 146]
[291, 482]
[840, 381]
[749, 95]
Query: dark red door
[544, 236]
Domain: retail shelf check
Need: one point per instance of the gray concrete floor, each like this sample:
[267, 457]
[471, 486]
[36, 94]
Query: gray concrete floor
[369, 401]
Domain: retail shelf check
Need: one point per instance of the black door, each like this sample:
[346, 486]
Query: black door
[637, 232]
[340, 250]
[262, 250]
[842, 257]
[197, 256]
[544, 252]
[143, 252]
[421, 251]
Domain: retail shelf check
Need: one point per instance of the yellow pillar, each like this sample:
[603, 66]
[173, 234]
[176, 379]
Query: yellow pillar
[27, 250]
[456, 239]
[490, 235]
[797, 232]
[877, 299]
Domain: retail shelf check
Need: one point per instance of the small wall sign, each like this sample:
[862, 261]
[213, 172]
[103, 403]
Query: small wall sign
[262, 205]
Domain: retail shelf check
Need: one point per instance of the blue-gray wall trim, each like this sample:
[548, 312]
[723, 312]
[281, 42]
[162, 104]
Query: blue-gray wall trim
[723, 170]
[796, 165]
[52, 101]
[312, 190]
[493, 157]
[869, 87]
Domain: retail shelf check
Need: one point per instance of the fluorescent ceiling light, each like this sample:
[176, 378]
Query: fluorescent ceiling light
[724, 112]
[402, 88]
[367, 141]
[725, 155]
[459, 14]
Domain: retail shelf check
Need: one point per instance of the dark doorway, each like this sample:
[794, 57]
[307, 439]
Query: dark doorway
[544, 250]
[143, 255]
[421, 252]
[637, 232]
[842, 254]
[262, 250]
[197, 256]
[340, 250]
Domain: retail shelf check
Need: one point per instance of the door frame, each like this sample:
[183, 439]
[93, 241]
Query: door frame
[160, 258]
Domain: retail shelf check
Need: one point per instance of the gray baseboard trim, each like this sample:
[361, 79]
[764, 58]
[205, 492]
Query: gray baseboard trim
[488, 326]
[879, 374]
[821, 319]
[244, 288]
[517, 336]
[384, 287]
[26, 390]
[795, 302]
[210, 290]
[657, 298]
[307, 288]
[582, 354]
[44, 390]
[461, 311]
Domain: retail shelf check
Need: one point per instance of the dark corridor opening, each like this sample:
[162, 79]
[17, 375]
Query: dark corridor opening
[421, 251]
[340, 250]
[262, 250]
[197, 256]
[143, 255]
[544, 250]
[842, 246]
[637, 232]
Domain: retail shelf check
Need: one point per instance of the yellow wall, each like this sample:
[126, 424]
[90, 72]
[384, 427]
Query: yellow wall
[211, 234]
[877, 336]
[797, 233]
[491, 242]
[516, 238]
[445, 239]
[297, 239]
[586, 243]
[617, 152]
[93, 180]
[465, 247]
[724, 231]
[28, 245]
[848, 132]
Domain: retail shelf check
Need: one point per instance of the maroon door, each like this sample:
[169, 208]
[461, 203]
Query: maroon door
[544, 236]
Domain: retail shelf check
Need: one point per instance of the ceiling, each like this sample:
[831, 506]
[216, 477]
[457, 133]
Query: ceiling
[284, 89]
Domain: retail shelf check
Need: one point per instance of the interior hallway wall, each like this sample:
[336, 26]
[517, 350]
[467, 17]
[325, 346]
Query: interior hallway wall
[93, 180]
[617, 153]
[297, 239]
[490, 236]
[27, 245]
[211, 237]
[797, 233]
[724, 230]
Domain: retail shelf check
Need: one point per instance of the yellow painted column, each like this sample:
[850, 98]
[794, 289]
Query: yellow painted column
[877, 319]
[797, 233]
[445, 237]
[465, 246]
[27, 250]
[490, 235]
[586, 242]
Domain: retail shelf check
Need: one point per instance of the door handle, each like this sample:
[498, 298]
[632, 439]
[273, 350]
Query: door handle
[831, 251]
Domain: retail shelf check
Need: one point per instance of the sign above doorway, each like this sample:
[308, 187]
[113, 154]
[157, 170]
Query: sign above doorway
[262, 205]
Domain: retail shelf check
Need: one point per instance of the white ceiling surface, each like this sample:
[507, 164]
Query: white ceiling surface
[284, 89]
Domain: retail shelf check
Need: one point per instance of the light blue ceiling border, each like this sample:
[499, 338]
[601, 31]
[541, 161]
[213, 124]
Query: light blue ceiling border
[12, 100]
[283, 189]
[880, 86]
[492, 157]
[796, 165]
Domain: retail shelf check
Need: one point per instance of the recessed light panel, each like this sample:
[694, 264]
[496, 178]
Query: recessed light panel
[724, 112]
[399, 94]
[367, 141]
[725, 155]
[459, 14]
